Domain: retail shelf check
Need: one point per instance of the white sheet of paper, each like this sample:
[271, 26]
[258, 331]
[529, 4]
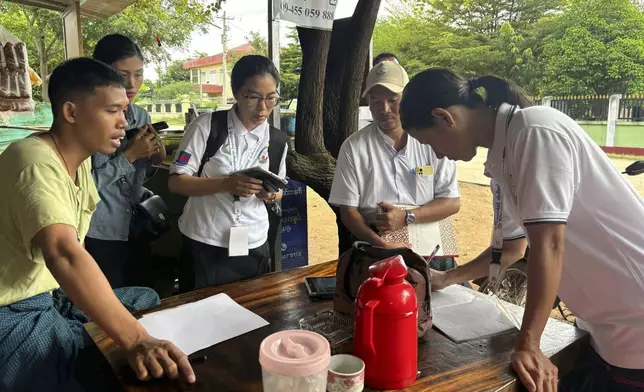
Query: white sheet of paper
[238, 242]
[197, 325]
[452, 295]
[463, 314]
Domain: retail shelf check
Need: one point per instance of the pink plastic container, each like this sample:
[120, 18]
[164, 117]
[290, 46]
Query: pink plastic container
[295, 361]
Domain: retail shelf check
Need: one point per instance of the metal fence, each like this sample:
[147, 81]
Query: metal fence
[585, 108]
[631, 108]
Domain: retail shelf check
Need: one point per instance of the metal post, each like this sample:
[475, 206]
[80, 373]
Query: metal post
[224, 42]
[200, 87]
[274, 52]
[274, 120]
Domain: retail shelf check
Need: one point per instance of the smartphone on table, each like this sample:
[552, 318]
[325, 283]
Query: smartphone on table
[320, 287]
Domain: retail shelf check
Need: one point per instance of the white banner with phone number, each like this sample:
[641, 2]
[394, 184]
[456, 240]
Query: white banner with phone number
[314, 14]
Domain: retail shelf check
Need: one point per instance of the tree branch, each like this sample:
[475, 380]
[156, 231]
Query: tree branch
[50, 45]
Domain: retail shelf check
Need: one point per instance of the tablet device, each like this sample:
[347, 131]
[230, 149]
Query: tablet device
[271, 182]
[320, 287]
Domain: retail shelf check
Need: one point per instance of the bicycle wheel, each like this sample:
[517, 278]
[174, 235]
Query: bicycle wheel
[513, 287]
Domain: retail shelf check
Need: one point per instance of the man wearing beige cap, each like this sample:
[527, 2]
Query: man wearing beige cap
[380, 166]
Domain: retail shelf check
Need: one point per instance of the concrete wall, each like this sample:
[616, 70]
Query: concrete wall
[627, 133]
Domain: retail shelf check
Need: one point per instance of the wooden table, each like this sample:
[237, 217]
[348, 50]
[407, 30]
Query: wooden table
[281, 298]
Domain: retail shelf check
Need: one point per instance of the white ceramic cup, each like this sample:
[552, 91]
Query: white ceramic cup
[346, 374]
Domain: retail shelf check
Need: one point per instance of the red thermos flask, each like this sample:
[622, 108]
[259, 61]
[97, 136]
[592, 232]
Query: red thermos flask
[385, 335]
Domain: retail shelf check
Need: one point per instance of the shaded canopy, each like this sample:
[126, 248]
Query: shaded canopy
[99, 9]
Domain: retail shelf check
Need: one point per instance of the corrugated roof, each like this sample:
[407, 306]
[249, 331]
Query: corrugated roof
[217, 59]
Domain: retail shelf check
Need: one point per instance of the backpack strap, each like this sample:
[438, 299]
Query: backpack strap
[276, 146]
[216, 137]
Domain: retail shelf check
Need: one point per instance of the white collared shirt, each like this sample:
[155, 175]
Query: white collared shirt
[369, 170]
[208, 219]
[554, 172]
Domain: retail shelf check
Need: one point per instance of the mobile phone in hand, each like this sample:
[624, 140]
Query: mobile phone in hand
[161, 125]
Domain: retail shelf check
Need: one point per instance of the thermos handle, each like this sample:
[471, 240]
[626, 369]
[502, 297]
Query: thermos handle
[367, 327]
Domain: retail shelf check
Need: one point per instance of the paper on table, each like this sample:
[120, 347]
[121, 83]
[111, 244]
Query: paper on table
[462, 315]
[449, 296]
[201, 324]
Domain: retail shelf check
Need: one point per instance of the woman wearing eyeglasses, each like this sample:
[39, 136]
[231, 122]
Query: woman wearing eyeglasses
[225, 221]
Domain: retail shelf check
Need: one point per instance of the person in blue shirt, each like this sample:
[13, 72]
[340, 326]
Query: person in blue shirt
[120, 176]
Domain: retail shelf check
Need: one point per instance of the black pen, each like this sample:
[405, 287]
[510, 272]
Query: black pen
[198, 360]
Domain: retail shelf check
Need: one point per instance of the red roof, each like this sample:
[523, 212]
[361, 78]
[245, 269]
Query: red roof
[212, 88]
[217, 59]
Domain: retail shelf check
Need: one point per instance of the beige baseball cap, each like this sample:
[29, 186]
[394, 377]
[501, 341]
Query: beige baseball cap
[387, 74]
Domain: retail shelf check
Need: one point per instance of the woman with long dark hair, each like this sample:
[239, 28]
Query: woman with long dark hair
[225, 223]
[119, 177]
[583, 220]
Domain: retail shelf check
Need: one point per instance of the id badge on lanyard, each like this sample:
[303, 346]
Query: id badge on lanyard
[497, 236]
[238, 239]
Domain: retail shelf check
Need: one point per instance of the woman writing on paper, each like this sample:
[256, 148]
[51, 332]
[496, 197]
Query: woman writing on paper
[225, 222]
[584, 222]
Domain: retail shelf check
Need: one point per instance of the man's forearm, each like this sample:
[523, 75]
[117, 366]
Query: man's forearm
[479, 267]
[355, 222]
[84, 283]
[544, 274]
[476, 268]
[437, 209]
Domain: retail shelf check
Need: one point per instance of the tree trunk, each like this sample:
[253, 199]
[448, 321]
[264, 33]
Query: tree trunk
[44, 69]
[331, 82]
[315, 51]
[361, 29]
[333, 85]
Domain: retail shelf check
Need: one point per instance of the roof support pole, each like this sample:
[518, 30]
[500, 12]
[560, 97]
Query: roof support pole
[72, 32]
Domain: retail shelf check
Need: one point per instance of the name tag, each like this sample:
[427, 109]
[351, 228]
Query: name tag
[238, 243]
[427, 170]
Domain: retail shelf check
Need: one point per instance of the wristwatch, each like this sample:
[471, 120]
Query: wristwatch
[410, 218]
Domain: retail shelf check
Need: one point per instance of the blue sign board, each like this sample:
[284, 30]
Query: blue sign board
[295, 240]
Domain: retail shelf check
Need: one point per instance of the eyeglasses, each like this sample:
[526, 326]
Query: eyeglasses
[253, 100]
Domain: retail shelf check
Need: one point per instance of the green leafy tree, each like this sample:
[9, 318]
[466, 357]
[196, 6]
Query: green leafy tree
[597, 48]
[258, 43]
[176, 90]
[421, 42]
[41, 31]
[175, 73]
[173, 21]
[290, 62]
[486, 16]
